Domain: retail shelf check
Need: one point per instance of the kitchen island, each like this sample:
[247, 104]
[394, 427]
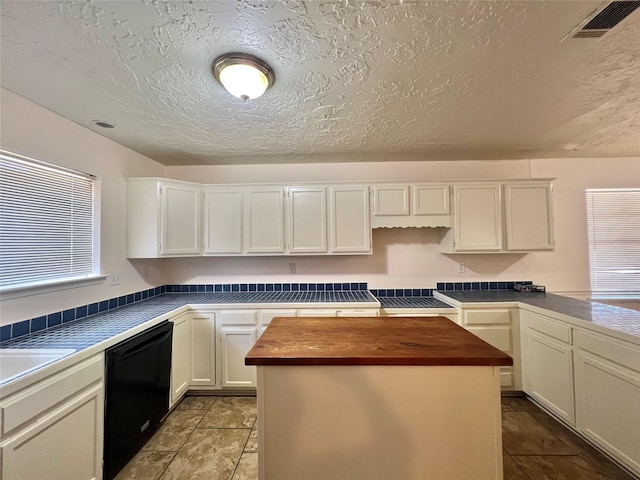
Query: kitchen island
[377, 398]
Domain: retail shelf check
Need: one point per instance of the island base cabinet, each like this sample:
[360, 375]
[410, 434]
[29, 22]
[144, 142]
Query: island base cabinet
[607, 379]
[379, 422]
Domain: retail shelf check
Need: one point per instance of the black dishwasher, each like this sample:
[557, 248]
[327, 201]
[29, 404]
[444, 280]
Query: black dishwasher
[137, 394]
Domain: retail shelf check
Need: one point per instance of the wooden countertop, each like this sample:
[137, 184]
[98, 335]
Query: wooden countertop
[371, 341]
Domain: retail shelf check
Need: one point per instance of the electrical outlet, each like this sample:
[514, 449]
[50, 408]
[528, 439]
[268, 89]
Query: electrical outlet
[115, 278]
[461, 268]
[292, 268]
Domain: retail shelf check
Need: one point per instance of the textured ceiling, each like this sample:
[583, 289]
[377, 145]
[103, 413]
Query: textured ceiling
[355, 81]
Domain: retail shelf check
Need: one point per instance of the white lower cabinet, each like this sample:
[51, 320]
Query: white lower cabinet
[180, 356]
[498, 327]
[54, 428]
[237, 332]
[203, 350]
[342, 312]
[547, 363]
[193, 358]
[607, 383]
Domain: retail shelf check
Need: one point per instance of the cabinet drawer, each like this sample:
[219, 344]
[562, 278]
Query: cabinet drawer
[499, 337]
[267, 315]
[611, 350]
[551, 328]
[37, 399]
[238, 317]
[318, 312]
[358, 312]
[486, 316]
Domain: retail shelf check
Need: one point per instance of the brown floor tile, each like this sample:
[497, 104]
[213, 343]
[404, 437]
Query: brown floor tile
[231, 412]
[523, 435]
[252, 443]
[557, 467]
[594, 458]
[208, 454]
[511, 470]
[146, 465]
[247, 467]
[175, 430]
[196, 403]
[518, 404]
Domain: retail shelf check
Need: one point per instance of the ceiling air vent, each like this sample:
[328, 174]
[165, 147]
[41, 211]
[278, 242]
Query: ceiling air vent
[601, 22]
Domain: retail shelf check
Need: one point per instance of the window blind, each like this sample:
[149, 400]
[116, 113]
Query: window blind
[46, 223]
[613, 217]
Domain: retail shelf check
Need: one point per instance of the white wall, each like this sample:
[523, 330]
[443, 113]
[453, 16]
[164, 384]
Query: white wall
[402, 258]
[409, 258]
[31, 130]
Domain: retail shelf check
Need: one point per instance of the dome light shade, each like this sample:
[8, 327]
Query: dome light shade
[243, 76]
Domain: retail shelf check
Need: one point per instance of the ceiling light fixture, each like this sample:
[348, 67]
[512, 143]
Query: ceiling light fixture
[242, 75]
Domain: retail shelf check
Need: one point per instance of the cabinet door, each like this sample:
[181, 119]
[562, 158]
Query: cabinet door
[477, 217]
[607, 374]
[264, 220]
[390, 200]
[203, 354]
[180, 219]
[307, 219]
[350, 227]
[64, 444]
[223, 221]
[550, 373]
[180, 357]
[236, 341]
[430, 200]
[528, 217]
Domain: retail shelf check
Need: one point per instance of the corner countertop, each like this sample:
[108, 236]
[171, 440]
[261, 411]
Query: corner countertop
[606, 318]
[372, 341]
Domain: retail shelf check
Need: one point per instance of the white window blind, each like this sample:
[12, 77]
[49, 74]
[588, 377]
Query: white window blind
[613, 217]
[46, 223]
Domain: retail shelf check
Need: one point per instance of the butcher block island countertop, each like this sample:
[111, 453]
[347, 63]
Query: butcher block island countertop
[371, 341]
[402, 398]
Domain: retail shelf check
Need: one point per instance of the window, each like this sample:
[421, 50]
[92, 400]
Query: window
[613, 217]
[48, 229]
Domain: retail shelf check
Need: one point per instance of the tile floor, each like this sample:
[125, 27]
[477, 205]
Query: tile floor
[214, 438]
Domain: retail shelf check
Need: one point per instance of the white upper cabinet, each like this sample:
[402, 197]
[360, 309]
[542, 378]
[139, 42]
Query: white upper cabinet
[307, 220]
[410, 205]
[477, 218]
[495, 217]
[223, 221]
[163, 218]
[350, 229]
[390, 200]
[528, 216]
[264, 219]
[430, 200]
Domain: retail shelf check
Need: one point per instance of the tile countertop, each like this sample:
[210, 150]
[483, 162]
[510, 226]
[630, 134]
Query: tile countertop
[95, 329]
[605, 318]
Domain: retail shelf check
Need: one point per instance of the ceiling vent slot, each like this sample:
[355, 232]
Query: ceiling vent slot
[601, 22]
